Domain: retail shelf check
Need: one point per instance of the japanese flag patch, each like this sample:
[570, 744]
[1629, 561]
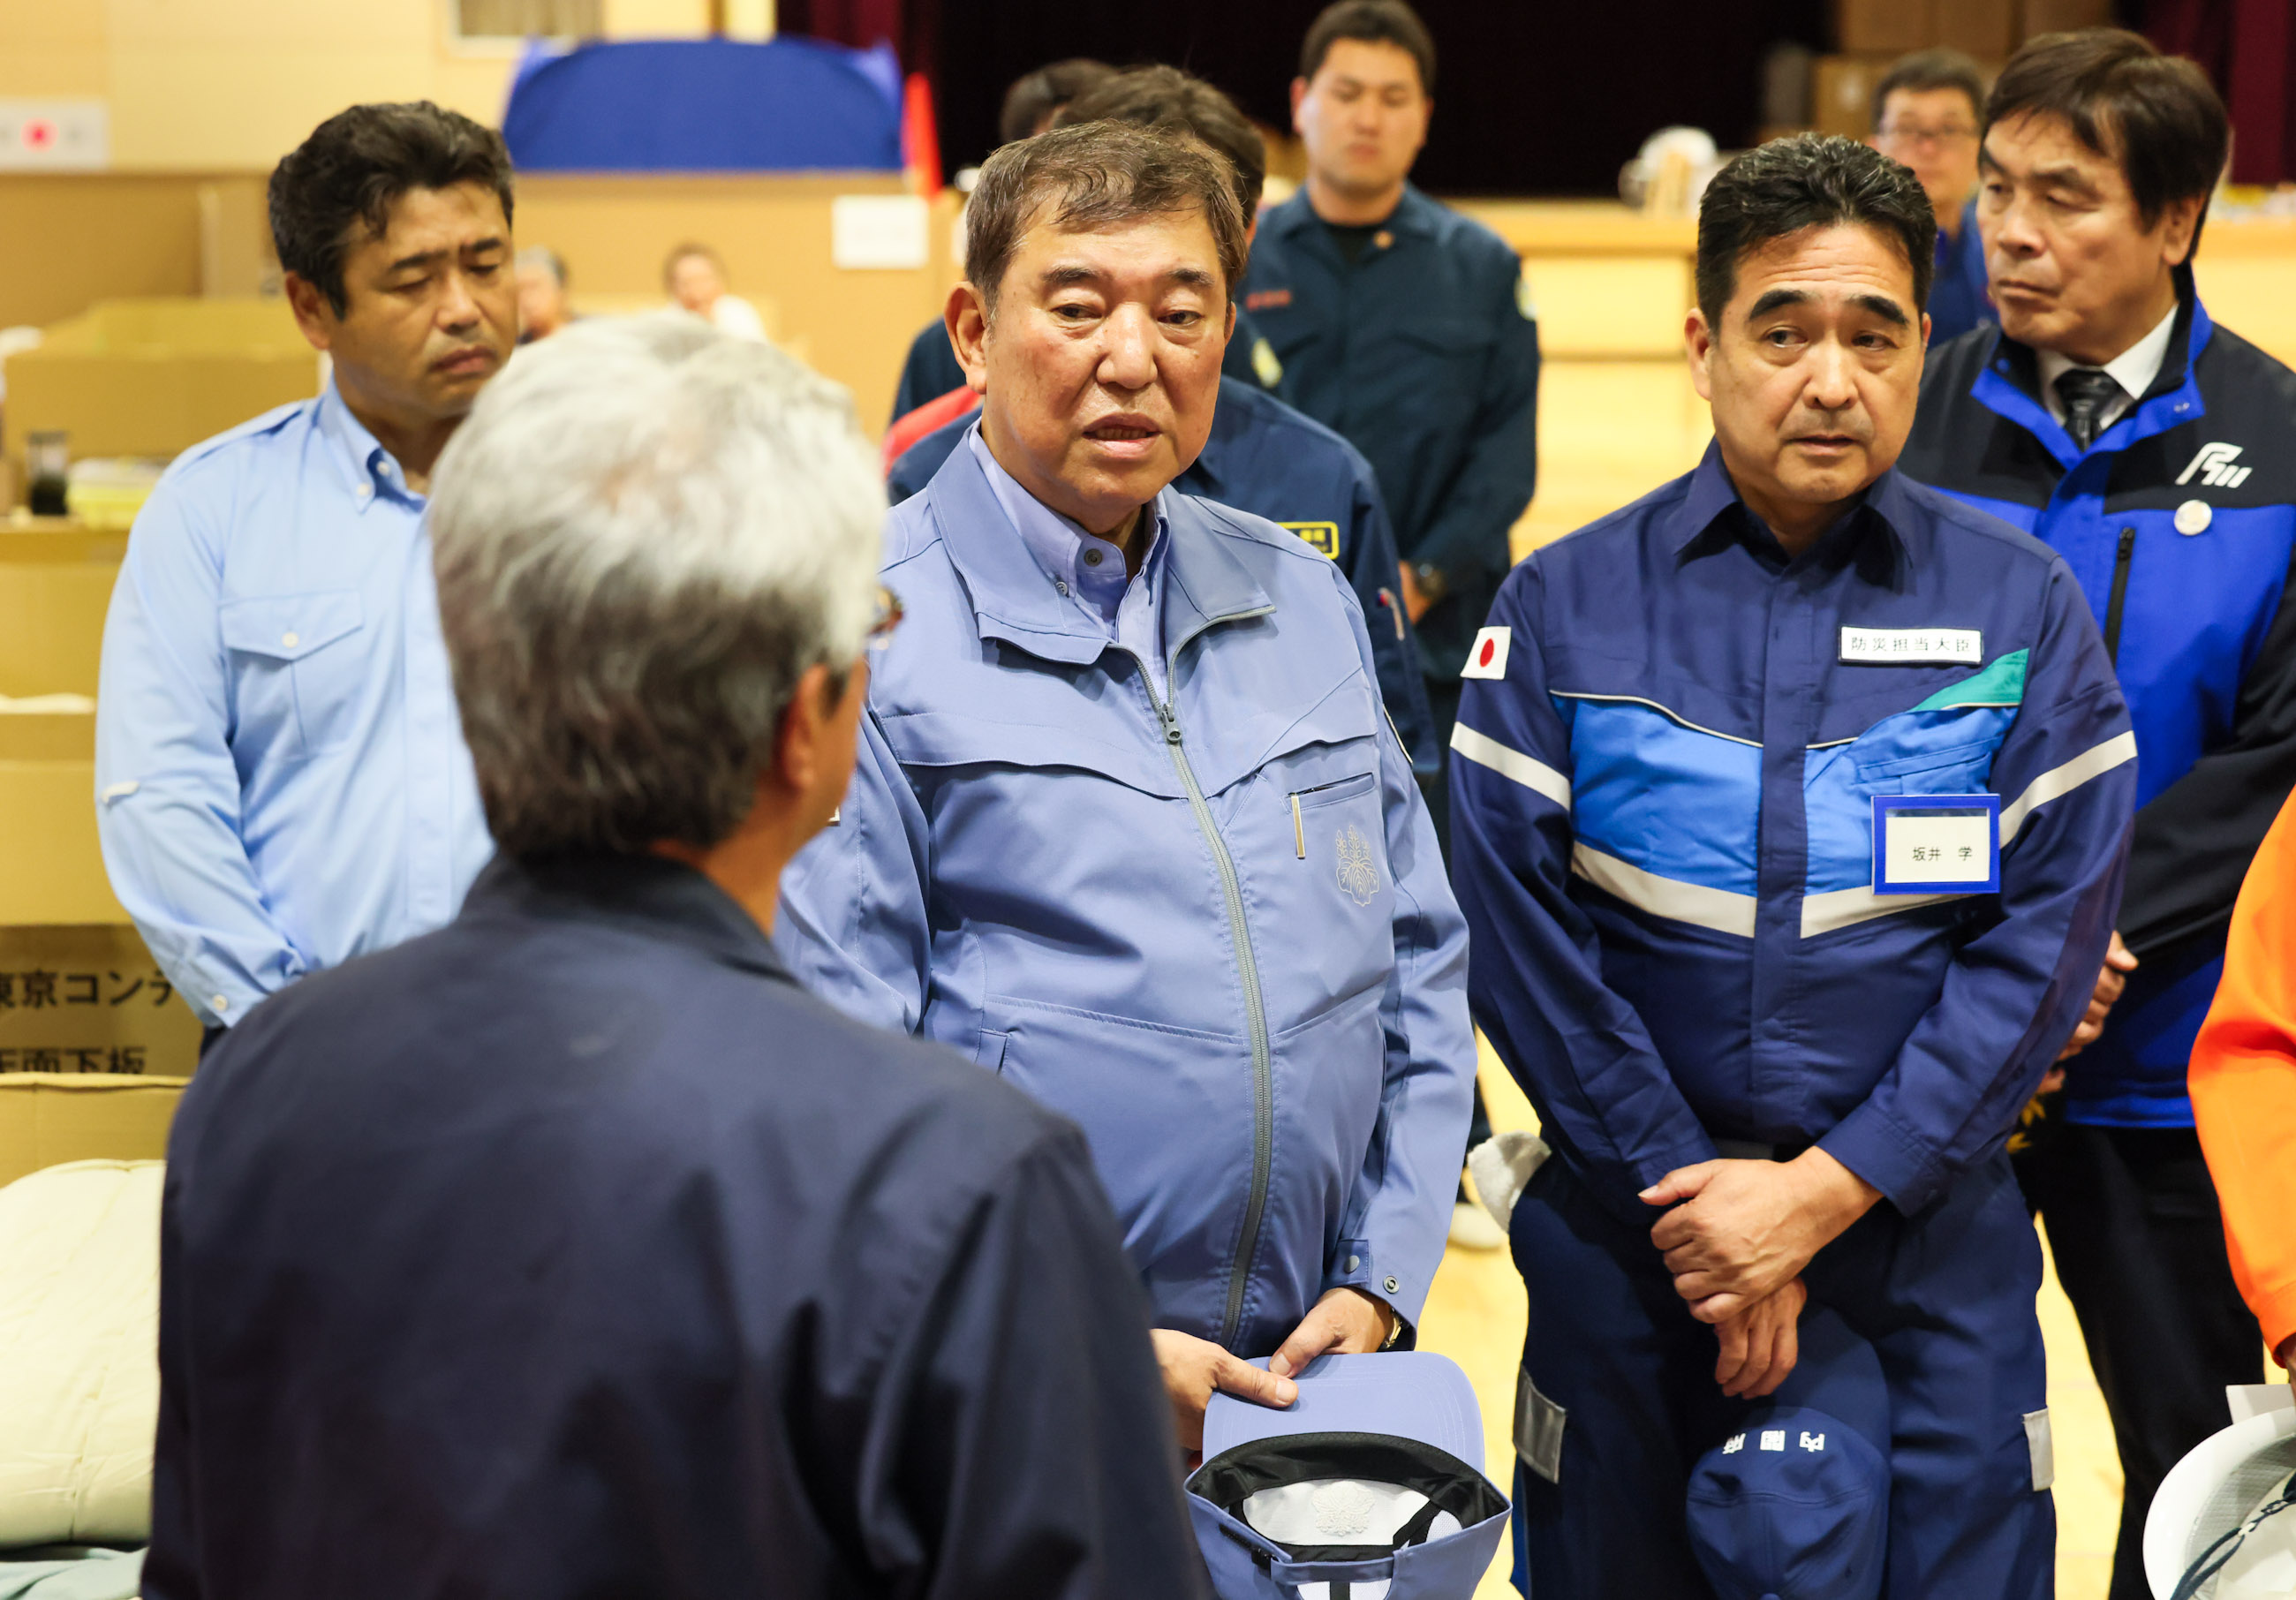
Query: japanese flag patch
[1487, 657]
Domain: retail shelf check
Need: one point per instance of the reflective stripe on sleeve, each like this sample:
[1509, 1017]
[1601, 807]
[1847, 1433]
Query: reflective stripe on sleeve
[1529, 771]
[2061, 781]
[1669, 898]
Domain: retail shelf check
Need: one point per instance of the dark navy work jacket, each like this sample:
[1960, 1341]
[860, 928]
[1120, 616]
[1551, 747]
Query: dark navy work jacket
[572, 1249]
[1424, 355]
[1957, 301]
[2180, 522]
[1266, 458]
[1662, 834]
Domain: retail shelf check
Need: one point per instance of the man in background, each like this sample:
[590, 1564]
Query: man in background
[2156, 452]
[1261, 456]
[573, 1250]
[694, 275]
[1926, 112]
[541, 307]
[1402, 325]
[281, 778]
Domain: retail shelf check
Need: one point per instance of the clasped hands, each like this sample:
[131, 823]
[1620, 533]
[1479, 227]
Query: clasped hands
[1736, 1239]
[1348, 1322]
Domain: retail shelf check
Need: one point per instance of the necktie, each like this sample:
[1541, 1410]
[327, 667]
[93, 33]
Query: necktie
[2085, 393]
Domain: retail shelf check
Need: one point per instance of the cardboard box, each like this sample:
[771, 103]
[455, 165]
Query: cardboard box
[1841, 94]
[89, 1002]
[47, 1120]
[1883, 26]
[2061, 16]
[1987, 30]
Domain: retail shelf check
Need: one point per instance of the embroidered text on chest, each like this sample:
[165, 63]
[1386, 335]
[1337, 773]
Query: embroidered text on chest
[1895, 646]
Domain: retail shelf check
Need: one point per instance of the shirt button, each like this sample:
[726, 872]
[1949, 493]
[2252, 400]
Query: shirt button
[222, 1002]
[1355, 1263]
[1393, 1287]
[1092, 558]
[291, 640]
[1061, 585]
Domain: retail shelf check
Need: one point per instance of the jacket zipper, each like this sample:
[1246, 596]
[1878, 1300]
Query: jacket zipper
[2120, 595]
[1263, 1074]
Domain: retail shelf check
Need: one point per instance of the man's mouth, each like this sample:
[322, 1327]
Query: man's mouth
[1825, 442]
[478, 358]
[1126, 435]
[2015, 291]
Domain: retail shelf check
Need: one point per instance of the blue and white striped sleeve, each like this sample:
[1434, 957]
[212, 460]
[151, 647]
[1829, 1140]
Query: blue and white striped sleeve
[1534, 968]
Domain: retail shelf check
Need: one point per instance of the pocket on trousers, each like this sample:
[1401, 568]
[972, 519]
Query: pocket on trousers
[1539, 1424]
[2041, 1446]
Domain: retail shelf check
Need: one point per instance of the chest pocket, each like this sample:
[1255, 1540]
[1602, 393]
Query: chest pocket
[1961, 768]
[299, 668]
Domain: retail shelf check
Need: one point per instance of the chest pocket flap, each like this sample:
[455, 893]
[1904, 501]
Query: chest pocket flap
[940, 739]
[287, 627]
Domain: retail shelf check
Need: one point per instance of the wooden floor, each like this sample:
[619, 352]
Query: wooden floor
[1475, 1316]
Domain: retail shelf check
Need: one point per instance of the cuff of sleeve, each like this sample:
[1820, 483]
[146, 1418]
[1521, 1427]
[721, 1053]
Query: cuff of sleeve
[1886, 1156]
[1354, 1266]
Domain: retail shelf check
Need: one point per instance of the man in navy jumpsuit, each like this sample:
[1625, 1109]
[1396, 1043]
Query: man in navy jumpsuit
[2155, 452]
[1403, 324]
[1673, 735]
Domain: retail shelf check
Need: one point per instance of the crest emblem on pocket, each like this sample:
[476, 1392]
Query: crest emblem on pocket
[1358, 874]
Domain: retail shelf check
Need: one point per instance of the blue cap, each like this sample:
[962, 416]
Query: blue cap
[1413, 1394]
[1795, 1507]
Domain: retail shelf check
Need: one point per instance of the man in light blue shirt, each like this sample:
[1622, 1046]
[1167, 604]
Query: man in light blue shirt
[281, 777]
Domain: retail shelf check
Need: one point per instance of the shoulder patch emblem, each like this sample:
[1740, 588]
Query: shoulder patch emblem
[1325, 537]
[1486, 657]
[1358, 873]
[1267, 299]
[1265, 366]
[1525, 301]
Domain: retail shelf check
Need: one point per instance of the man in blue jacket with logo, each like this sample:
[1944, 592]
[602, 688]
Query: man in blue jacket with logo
[1789, 823]
[1129, 826]
[2156, 453]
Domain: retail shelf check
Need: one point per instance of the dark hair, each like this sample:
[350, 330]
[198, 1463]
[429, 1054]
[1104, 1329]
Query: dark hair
[1927, 70]
[1809, 181]
[2157, 115]
[1373, 22]
[1092, 176]
[1036, 96]
[1172, 101]
[356, 164]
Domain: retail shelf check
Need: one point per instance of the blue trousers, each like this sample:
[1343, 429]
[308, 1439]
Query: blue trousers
[1921, 1333]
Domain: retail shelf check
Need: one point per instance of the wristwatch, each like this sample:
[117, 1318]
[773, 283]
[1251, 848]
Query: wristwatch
[1432, 585]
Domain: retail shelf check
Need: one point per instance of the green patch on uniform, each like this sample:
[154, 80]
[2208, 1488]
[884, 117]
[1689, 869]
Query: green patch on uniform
[2003, 684]
[1323, 536]
[1525, 301]
[1265, 366]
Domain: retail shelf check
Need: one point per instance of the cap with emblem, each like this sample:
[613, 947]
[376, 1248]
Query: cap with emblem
[1367, 1482]
[1795, 1504]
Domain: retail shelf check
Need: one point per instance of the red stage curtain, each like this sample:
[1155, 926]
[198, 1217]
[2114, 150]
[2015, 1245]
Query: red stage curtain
[2249, 48]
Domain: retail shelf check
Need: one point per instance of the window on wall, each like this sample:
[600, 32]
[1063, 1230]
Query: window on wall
[528, 19]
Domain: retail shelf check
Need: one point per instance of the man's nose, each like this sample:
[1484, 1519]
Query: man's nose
[1128, 357]
[2015, 230]
[1831, 386]
[458, 308]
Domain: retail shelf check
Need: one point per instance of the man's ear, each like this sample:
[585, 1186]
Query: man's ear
[1698, 343]
[1925, 333]
[1299, 94]
[312, 314]
[2181, 221]
[966, 317]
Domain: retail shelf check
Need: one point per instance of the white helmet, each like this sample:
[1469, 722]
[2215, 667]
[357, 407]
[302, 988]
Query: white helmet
[2223, 1526]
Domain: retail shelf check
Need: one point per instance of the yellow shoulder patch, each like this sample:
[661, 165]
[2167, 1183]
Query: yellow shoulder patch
[1525, 301]
[1265, 366]
[1323, 536]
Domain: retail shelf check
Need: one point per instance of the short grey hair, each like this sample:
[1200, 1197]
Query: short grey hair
[645, 533]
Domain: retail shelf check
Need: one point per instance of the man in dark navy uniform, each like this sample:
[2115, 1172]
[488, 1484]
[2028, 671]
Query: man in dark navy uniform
[1926, 111]
[2155, 451]
[573, 1249]
[1404, 326]
[1263, 456]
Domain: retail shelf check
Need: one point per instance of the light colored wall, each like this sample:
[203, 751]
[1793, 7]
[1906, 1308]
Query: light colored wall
[233, 85]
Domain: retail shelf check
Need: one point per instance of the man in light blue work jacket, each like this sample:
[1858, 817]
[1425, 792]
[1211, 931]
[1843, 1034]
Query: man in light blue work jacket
[281, 777]
[1128, 825]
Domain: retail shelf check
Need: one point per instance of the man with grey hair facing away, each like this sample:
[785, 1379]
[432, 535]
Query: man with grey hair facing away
[1129, 827]
[572, 1248]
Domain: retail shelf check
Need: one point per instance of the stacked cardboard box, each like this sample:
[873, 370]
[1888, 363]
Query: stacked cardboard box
[1871, 33]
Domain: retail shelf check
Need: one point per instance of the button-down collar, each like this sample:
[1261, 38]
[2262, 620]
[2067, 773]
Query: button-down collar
[1713, 517]
[368, 469]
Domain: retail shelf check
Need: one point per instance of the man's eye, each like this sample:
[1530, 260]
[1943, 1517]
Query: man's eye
[1184, 319]
[1072, 313]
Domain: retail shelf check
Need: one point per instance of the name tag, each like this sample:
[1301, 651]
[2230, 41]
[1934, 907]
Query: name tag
[1913, 646]
[1936, 843]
